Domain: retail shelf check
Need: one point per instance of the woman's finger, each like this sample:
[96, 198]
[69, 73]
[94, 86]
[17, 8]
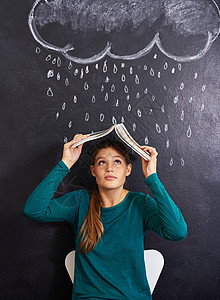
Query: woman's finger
[151, 150]
[148, 147]
[76, 139]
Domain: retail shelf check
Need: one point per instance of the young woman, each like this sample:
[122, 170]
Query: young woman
[110, 222]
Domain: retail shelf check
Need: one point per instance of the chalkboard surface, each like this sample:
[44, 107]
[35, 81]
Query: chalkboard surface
[67, 69]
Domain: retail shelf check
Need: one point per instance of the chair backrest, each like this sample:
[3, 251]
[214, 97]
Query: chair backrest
[154, 263]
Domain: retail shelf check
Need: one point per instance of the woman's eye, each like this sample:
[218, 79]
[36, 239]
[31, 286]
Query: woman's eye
[117, 162]
[101, 162]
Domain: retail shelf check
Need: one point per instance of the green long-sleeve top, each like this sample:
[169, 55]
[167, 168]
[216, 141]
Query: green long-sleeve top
[115, 269]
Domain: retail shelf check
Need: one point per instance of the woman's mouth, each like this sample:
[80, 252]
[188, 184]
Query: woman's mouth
[109, 177]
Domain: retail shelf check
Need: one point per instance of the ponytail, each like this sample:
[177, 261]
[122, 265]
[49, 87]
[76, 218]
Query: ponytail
[92, 228]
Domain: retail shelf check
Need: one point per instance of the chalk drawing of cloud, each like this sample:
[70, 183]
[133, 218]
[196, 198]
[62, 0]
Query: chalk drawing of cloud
[85, 31]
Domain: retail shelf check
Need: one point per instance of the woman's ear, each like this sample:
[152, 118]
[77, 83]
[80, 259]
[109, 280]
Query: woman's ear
[128, 170]
[92, 170]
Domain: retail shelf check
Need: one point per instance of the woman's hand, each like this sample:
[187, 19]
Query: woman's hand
[70, 154]
[149, 167]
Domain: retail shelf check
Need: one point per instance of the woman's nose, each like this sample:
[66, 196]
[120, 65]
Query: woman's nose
[109, 167]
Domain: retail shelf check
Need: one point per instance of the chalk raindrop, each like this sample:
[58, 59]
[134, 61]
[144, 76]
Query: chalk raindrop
[182, 115]
[101, 117]
[105, 68]
[50, 73]
[152, 72]
[87, 70]
[48, 57]
[182, 86]
[123, 78]
[58, 61]
[137, 81]
[171, 161]
[176, 99]
[158, 128]
[189, 132]
[86, 86]
[87, 117]
[38, 50]
[81, 73]
[114, 121]
[126, 89]
[49, 92]
[74, 98]
[106, 97]
[139, 113]
[115, 69]
[58, 76]
[202, 107]
[165, 65]
[67, 82]
[113, 88]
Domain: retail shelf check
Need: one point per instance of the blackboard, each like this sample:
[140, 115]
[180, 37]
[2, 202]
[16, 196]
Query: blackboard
[153, 65]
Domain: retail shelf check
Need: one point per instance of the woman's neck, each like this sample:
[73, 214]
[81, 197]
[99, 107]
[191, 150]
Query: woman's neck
[112, 197]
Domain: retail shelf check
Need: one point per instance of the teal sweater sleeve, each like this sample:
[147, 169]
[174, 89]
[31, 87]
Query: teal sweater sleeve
[161, 214]
[41, 207]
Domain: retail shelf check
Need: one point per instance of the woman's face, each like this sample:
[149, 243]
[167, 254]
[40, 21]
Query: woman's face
[110, 169]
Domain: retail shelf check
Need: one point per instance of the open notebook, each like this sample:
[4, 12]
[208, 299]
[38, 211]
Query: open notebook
[122, 133]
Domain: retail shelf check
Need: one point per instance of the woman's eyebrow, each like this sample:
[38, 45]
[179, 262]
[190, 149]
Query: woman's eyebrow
[105, 158]
[99, 157]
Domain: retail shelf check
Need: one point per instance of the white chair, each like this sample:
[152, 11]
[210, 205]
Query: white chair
[154, 263]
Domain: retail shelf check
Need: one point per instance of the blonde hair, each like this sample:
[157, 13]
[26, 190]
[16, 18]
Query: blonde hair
[92, 228]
